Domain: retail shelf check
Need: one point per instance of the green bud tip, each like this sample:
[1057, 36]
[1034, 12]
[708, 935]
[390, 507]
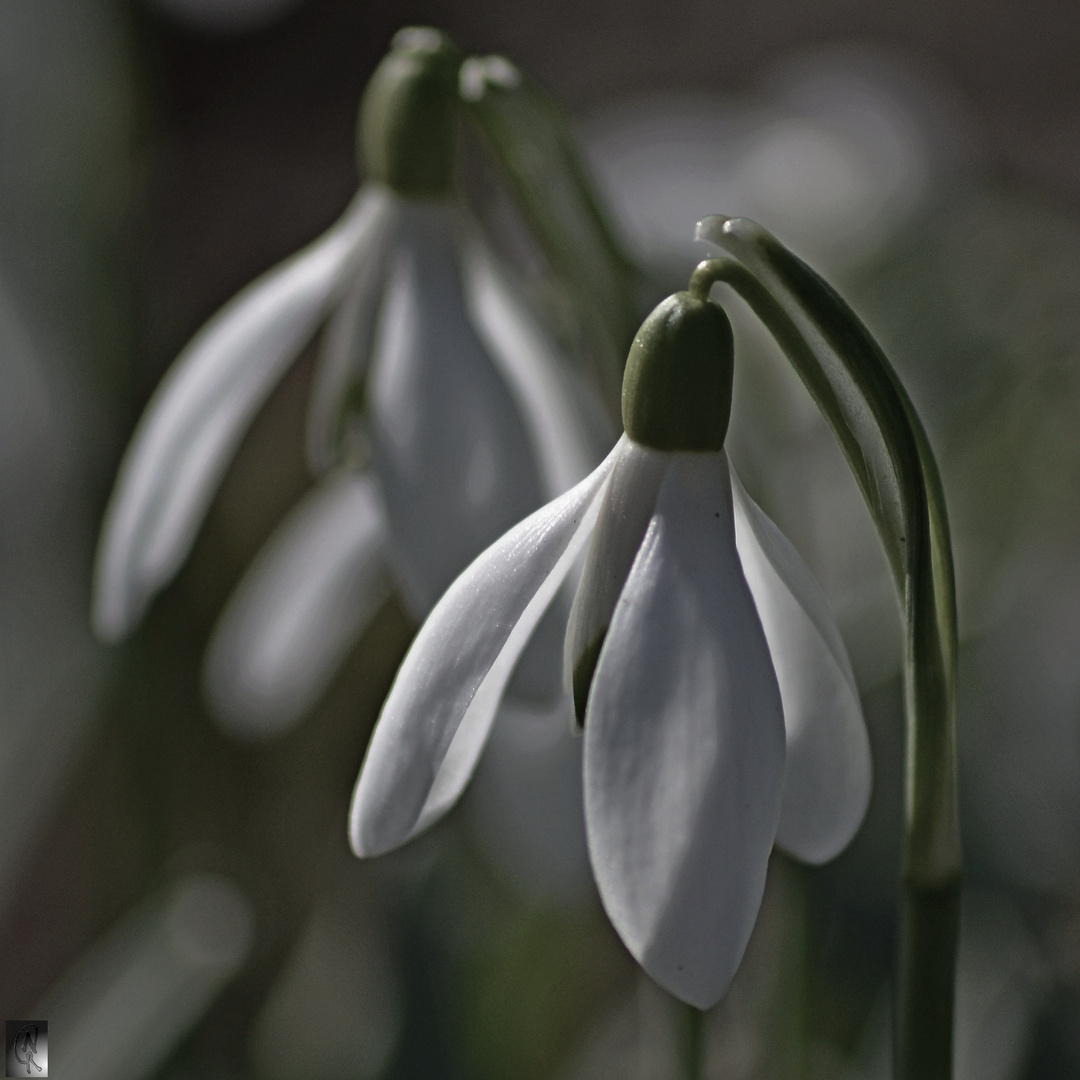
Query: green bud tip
[408, 115]
[677, 385]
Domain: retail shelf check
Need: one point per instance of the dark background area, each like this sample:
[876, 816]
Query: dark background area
[241, 151]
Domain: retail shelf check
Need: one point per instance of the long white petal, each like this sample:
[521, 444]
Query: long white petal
[200, 411]
[625, 513]
[684, 744]
[828, 773]
[300, 607]
[569, 437]
[453, 456]
[344, 354]
[441, 706]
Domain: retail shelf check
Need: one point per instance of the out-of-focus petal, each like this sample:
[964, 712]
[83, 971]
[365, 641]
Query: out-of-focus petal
[303, 603]
[201, 409]
[625, 512]
[569, 438]
[453, 456]
[344, 354]
[828, 773]
[526, 803]
[441, 706]
[126, 1005]
[684, 744]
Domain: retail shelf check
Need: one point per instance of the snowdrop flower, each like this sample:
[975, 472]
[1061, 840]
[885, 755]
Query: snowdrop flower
[432, 371]
[718, 704]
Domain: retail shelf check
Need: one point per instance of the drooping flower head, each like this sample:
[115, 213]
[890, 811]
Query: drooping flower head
[719, 709]
[442, 412]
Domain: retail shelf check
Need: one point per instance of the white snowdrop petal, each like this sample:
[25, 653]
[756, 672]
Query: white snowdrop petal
[828, 773]
[453, 457]
[684, 744]
[200, 411]
[440, 709]
[304, 602]
[625, 512]
[344, 353]
[569, 438]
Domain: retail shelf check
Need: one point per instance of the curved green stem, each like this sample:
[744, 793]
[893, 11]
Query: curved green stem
[876, 426]
[710, 272]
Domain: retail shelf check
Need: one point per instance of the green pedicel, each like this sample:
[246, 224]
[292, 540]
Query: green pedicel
[407, 126]
[677, 386]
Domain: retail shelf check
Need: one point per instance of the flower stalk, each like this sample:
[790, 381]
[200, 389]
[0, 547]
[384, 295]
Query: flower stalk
[693, 1043]
[875, 423]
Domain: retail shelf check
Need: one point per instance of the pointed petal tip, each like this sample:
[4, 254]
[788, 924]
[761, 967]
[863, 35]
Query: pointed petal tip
[108, 629]
[112, 620]
[369, 835]
[439, 711]
[358, 841]
[188, 432]
[817, 839]
[360, 838]
[700, 997]
[299, 610]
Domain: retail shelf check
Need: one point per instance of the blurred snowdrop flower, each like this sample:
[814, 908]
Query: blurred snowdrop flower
[433, 375]
[198, 415]
[299, 608]
[719, 708]
[527, 804]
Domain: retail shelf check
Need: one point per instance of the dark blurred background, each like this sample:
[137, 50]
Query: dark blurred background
[156, 157]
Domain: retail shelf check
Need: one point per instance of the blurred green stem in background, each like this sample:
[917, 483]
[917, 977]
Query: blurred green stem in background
[538, 158]
[693, 1043]
[872, 418]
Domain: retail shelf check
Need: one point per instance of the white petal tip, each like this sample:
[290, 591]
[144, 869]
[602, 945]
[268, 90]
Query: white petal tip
[366, 846]
[689, 974]
[818, 838]
[112, 622]
[378, 825]
[108, 632]
[692, 968]
[248, 719]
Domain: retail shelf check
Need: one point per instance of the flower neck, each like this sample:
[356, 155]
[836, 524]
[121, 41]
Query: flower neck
[677, 385]
[408, 116]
